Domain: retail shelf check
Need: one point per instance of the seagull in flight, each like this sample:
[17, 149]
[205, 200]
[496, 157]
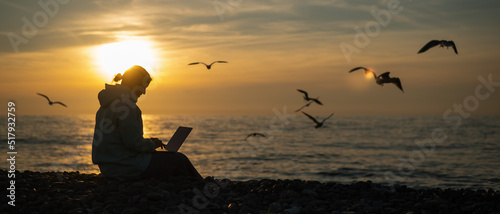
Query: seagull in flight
[208, 66]
[441, 43]
[255, 134]
[382, 78]
[50, 102]
[318, 124]
[307, 98]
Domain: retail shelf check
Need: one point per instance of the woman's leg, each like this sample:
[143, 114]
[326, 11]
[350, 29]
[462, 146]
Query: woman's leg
[170, 164]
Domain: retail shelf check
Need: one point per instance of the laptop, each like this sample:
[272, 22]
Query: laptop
[178, 138]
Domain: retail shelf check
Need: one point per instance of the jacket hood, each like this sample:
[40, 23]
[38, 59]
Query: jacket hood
[113, 92]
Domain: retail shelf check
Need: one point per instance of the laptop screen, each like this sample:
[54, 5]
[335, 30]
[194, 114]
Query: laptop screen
[178, 138]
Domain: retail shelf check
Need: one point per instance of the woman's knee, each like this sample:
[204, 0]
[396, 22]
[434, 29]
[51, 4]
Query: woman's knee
[180, 155]
[176, 155]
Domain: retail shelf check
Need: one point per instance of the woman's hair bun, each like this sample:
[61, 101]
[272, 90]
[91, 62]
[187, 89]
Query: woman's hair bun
[118, 77]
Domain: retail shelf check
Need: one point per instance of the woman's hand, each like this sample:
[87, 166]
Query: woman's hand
[158, 143]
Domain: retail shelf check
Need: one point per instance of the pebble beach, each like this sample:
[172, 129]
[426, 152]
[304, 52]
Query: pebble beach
[74, 192]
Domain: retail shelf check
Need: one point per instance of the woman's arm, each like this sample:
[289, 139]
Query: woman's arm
[158, 143]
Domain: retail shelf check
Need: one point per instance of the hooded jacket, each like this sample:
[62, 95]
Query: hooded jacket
[119, 147]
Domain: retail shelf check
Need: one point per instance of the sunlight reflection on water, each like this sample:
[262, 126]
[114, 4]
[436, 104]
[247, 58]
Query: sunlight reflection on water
[347, 149]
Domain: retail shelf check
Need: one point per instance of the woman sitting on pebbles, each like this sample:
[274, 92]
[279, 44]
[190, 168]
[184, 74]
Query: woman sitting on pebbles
[119, 147]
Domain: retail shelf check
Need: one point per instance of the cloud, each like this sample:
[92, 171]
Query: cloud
[95, 22]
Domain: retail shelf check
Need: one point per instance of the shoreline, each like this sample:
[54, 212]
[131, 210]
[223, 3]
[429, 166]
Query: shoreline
[73, 192]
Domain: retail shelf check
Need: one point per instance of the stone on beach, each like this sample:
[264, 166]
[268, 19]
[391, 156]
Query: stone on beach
[72, 192]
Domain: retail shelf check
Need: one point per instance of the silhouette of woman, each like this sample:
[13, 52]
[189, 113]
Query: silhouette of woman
[119, 147]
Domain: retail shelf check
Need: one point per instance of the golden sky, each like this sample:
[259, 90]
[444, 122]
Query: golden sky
[68, 49]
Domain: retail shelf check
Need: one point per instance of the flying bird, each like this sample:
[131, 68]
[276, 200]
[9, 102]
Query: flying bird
[318, 124]
[441, 43]
[382, 78]
[357, 68]
[208, 66]
[50, 102]
[255, 134]
[306, 105]
[307, 98]
[385, 78]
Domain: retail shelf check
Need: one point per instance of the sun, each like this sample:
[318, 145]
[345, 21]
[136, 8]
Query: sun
[113, 58]
[369, 74]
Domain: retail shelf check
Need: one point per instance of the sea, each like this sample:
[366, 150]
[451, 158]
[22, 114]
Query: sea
[417, 151]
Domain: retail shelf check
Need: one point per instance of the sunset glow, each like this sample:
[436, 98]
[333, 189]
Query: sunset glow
[368, 75]
[113, 58]
[272, 49]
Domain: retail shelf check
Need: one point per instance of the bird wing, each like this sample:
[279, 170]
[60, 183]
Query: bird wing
[60, 103]
[259, 134]
[385, 75]
[301, 108]
[397, 82]
[44, 96]
[357, 68]
[429, 45]
[194, 63]
[248, 136]
[304, 92]
[254, 134]
[327, 118]
[316, 101]
[310, 117]
[217, 62]
[454, 47]
[308, 104]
